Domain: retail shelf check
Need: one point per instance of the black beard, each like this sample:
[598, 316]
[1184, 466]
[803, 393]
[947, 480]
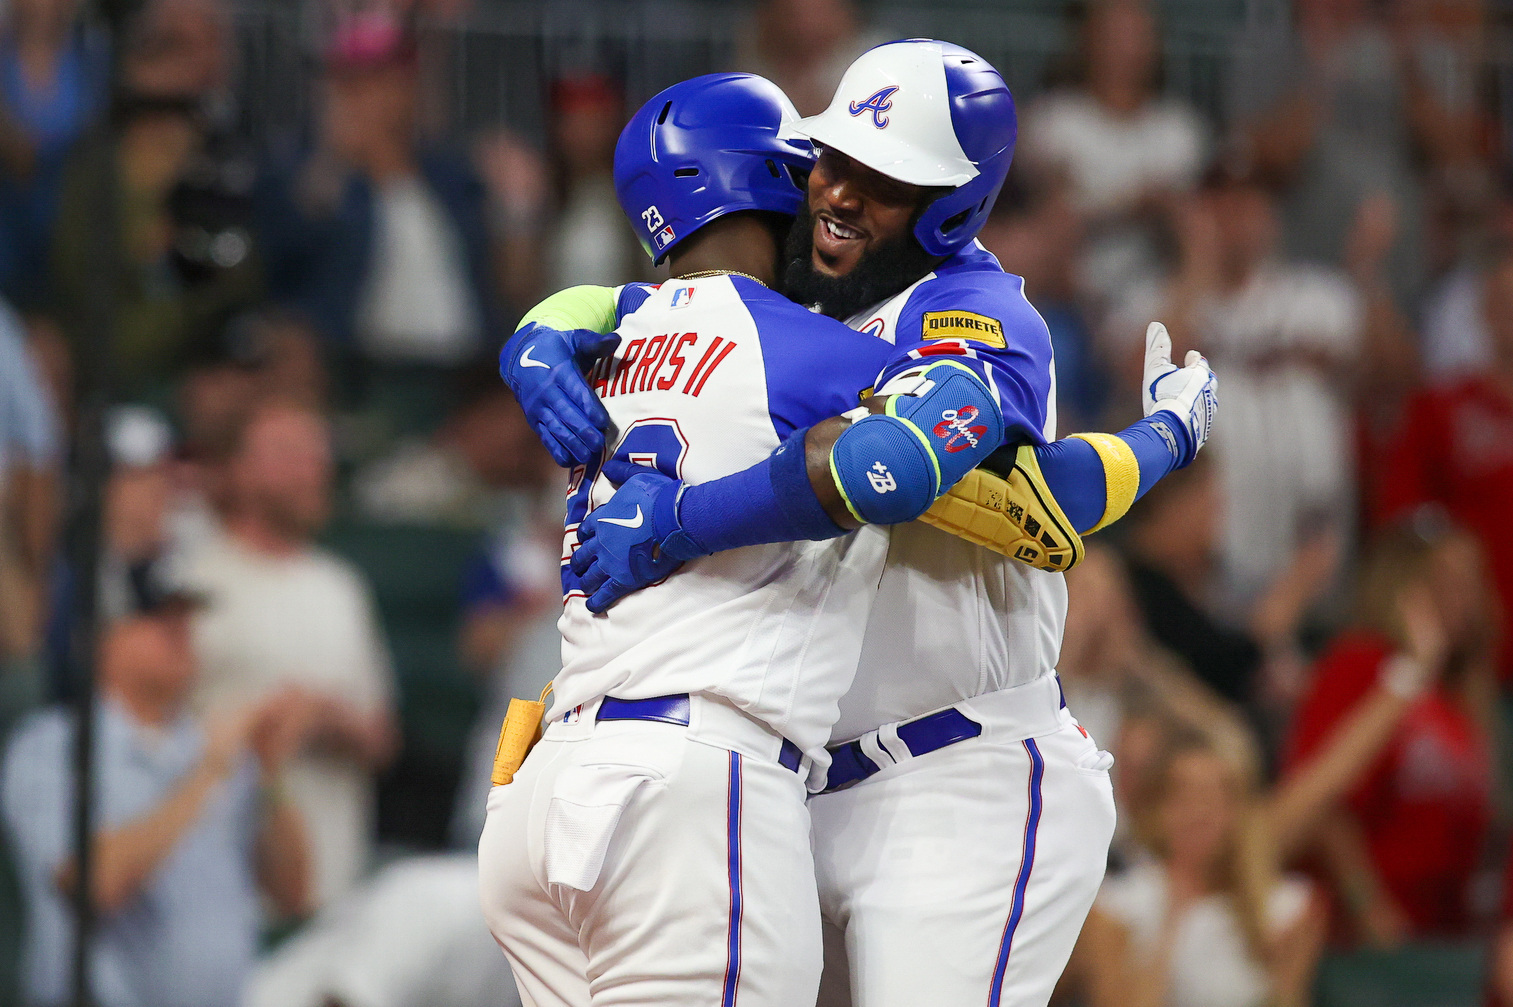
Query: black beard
[882, 271]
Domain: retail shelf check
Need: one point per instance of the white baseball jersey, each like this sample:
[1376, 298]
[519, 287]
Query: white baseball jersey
[952, 620]
[711, 375]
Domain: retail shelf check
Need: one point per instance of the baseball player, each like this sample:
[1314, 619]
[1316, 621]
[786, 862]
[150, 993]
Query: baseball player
[655, 847]
[963, 827]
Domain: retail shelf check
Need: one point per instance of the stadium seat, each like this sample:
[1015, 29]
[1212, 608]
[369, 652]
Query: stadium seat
[1419, 975]
[415, 572]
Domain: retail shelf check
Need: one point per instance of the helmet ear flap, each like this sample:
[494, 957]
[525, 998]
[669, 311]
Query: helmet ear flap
[953, 220]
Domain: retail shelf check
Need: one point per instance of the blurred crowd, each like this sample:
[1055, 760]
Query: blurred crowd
[331, 544]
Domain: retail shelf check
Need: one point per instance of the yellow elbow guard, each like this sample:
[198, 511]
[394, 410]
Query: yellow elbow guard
[517, 736]
[1012, 514]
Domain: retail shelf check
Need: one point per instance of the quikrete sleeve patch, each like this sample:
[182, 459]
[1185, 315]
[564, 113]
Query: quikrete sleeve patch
[963, 325]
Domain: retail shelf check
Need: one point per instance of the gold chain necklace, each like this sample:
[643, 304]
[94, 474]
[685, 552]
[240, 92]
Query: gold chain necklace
[718, 272]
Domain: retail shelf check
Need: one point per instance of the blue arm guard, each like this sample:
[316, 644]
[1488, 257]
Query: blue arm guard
[772, 501]
[890, 468]
[1096, 477]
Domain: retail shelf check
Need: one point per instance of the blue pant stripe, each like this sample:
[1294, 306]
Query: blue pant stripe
[733, 859]
[1026, 864]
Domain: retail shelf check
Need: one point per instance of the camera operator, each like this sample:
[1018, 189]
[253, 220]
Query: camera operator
[180, 196]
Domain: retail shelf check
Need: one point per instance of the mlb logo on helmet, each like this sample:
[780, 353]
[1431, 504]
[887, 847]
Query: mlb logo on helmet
[664, 237]
[879, 102]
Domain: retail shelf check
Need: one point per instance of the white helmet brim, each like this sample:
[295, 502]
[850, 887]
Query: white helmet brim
[892, 113]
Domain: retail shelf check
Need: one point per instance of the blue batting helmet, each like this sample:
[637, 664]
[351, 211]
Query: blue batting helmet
[717, 144]
[927, 113]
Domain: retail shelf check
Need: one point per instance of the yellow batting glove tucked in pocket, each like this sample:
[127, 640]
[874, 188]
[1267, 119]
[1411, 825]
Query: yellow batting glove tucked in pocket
[517, 736]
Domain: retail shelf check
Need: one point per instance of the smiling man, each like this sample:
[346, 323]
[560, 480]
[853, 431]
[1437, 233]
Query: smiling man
[961, 831]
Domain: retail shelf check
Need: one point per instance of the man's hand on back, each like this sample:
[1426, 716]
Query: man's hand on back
[544, 368]
[634, 538]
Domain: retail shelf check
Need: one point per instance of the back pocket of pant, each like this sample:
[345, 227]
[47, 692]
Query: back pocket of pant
[581, 819]
[1096, 761]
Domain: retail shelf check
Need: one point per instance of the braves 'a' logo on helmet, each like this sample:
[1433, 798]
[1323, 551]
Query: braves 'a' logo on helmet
[880, 101]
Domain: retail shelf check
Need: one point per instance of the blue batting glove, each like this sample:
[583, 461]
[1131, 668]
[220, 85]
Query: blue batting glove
[634, 538]
[544, 368]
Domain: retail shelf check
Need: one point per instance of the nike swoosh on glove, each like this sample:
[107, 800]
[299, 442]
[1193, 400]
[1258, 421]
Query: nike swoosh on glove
[1190, 393]
[633, 539]
[544, 368]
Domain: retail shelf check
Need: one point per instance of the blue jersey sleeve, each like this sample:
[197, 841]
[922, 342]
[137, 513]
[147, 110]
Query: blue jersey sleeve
[816, 367]
[631, 297]
[980, 318]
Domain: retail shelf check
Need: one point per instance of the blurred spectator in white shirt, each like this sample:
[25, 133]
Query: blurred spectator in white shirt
[284, 612]
[1297, 345]
[1121, 147]
[379, 239]
[1206, 922]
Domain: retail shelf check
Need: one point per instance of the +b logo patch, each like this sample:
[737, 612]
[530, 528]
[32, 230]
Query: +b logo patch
[880, 101]
[881, 479]
[664, 237]
[681, 297]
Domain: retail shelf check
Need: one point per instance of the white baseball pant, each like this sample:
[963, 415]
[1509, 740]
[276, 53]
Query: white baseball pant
[639, 863]
[961, 877]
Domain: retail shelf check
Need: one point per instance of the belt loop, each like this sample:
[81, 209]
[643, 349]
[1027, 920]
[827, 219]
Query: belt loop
[889, 741]
[872, 748]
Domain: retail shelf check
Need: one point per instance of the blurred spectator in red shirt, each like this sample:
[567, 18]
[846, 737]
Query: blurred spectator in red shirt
[1402, 847]
[1454, 447]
